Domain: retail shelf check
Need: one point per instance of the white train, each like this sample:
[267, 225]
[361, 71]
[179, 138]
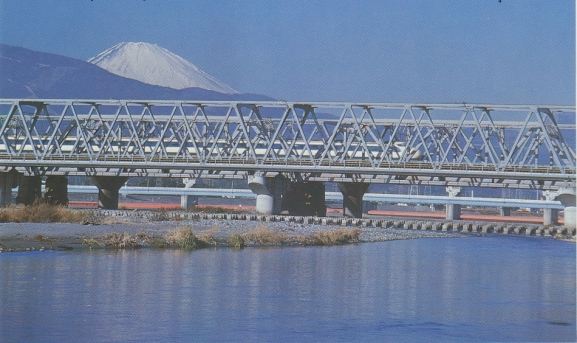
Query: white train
[225, 149]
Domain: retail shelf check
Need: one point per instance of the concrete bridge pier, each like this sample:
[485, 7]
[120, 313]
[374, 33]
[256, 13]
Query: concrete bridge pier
[353, 198]
[305, 199]
[7, 182]
[188, 201]
[56, 192]
[505, 211]
[29, 189]
[269, 192]
[453, 211]
[566, 195]
[108, 187]
[550, 216]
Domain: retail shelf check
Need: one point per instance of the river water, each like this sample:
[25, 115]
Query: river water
[492, 288]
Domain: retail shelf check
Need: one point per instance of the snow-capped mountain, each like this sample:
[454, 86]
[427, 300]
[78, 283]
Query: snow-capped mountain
[38, 75]
[155, 65]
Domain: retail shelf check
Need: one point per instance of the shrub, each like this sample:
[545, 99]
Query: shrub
[236, 241]
[183, 237]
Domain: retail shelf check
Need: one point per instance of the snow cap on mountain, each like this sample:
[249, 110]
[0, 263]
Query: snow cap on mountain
[154, 65]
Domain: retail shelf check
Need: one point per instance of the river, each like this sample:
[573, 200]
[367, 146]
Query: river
[493, 288]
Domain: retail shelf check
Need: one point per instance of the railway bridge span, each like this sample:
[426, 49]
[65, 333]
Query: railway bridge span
[286, 151]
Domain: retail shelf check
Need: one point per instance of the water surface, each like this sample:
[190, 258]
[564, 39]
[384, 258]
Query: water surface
[467, 289]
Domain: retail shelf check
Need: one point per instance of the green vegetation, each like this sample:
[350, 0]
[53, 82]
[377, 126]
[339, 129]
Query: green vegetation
[236, 241]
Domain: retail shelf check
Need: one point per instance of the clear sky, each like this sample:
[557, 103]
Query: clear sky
[475, 51]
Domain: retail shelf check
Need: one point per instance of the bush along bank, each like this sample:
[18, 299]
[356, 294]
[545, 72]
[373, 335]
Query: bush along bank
[184, 238]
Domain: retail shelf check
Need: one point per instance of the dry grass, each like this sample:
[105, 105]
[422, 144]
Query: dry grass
[264, 236]
[183, 238]
[338, 237]
[43, 212]
[120, 241]
[42, 238]
[91, 242]
[207, 237]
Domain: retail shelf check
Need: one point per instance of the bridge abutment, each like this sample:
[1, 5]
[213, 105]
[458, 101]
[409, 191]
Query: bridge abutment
[56, 192]
[353, 198]
[453, 211]
[7, 182]
[108, 187]
[305, 199]
[269, 192]
[29, 189]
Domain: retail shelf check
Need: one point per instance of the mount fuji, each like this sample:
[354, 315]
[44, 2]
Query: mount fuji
[32, 74]
[155, 65]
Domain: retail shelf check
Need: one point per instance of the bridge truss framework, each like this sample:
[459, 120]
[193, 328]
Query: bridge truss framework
[517, 146]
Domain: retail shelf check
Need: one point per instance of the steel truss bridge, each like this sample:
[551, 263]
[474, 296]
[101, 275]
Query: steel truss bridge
[516, 146]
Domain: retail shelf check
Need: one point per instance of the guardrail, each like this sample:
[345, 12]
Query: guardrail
[333, 196]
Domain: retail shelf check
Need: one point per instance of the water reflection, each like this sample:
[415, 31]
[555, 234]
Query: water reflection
[445, 289]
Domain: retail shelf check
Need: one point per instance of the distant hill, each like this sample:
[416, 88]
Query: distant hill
[37, 75]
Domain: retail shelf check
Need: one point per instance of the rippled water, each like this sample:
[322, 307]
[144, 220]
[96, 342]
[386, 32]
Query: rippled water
[470, 289]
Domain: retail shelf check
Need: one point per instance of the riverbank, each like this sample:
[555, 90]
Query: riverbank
[128, 232]
[122, 229]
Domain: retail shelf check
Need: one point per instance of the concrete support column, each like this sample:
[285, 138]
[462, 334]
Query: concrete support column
[353, 198]
[56, 192]
[269, 192]
[550, 216]
[6, 183]
[505, 211]
[453, 211]
[29, 189]
[566, 195]
[188, 201]
[570, 214]
[108, 187]
[305, 199]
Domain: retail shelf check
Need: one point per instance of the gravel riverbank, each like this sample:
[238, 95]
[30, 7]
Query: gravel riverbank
[67, 236]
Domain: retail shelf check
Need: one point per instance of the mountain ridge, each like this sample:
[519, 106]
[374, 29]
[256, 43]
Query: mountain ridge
[30, 74]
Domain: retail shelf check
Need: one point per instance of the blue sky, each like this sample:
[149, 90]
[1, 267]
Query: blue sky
[485, 51]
